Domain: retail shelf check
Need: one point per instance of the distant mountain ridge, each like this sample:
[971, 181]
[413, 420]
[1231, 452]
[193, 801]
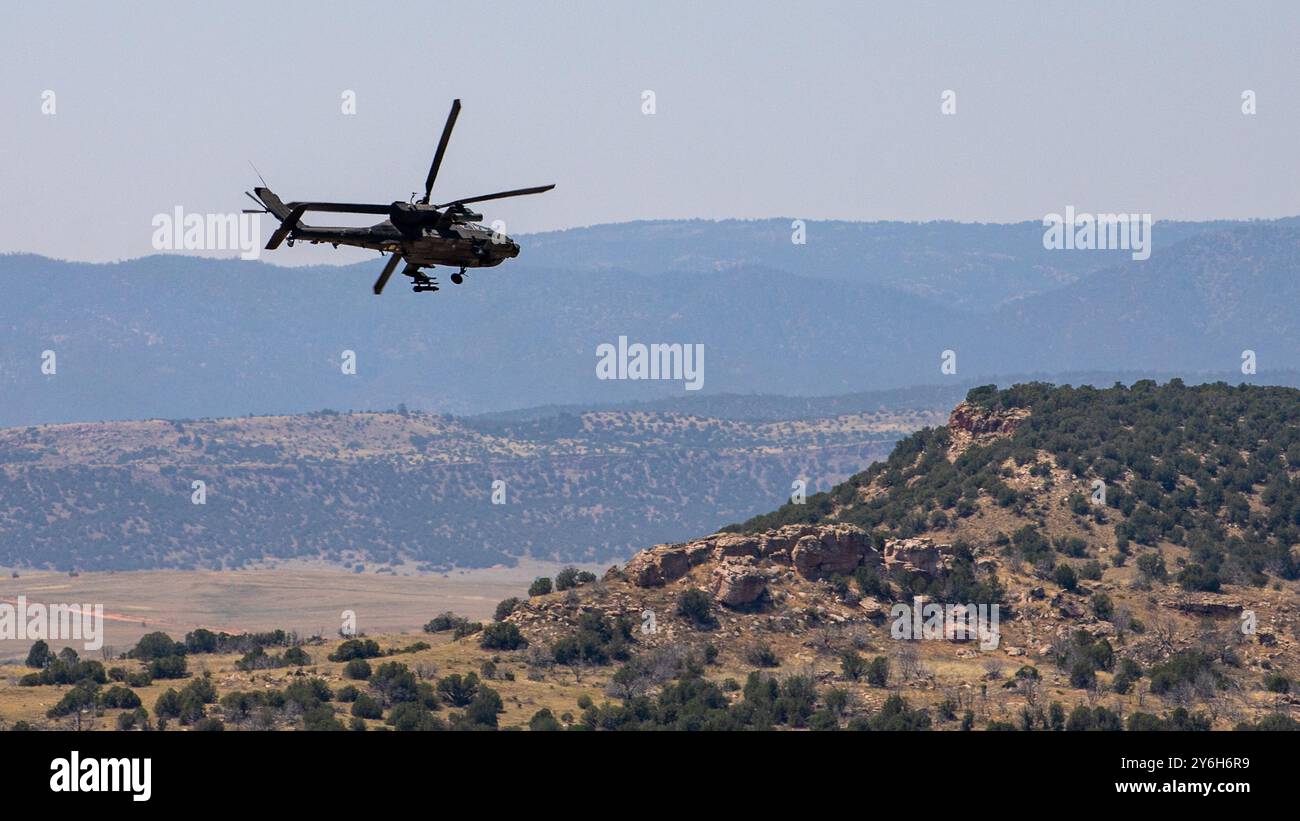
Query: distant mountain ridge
[185, 337]
[933, 397]
[969, 266]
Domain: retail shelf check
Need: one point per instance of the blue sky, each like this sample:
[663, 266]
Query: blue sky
[808, 110]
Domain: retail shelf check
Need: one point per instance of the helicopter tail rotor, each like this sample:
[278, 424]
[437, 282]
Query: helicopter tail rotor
[287, 223]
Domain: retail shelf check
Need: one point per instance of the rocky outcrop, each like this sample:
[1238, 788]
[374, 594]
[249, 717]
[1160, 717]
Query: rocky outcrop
[1213, 605]
[980, 422]
[736, 544]
[970, 424]
[814, 551]
[737, 582]
[872, 609]
[919, 555]
[658, 565]
[830, 551]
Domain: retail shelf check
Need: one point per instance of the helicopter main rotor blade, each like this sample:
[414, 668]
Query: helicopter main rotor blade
[442, 148]
[518, 192]
[343, 207]
[393, 259]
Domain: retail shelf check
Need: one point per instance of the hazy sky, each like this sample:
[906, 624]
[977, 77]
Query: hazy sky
[810, 110]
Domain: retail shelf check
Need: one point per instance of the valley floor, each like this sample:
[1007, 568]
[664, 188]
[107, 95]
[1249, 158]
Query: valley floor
[306, 598]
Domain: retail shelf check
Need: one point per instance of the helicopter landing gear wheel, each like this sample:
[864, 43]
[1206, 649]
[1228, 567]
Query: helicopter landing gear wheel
[459, 277]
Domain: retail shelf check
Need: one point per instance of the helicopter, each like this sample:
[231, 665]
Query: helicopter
[416, 232]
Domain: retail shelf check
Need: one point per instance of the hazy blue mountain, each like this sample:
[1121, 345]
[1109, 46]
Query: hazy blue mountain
[934, 397]
[972, 266]
[1195, 307]
[185, 337]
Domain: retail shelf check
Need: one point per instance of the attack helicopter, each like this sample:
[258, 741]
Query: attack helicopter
[420, 233]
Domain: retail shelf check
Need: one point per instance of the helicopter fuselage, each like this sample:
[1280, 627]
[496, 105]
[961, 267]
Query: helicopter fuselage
[463, 245]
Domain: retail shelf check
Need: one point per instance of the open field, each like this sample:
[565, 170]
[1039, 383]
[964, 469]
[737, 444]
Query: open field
[304, 598]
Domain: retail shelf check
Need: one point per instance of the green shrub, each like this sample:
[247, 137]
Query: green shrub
[696, 606]
[39, 656]
[347, 694]
[411, 717]
[1102, 607]
[1180, 669]
[853, 665]
[1194, 577]
[878, 672]
[544, 721]
[1152, 567]
[1065, 576]
[321, 718]
[450, 622]
[502, 635]
[168, 667]
[118, 697]
[504, 608]
[540, 586]
[357, 670]
[356, 649]
[80, 697]
[566, 578]
[1082, 675]
[156, 646]
[366, 707]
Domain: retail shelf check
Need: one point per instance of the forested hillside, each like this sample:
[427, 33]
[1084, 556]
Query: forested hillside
[1213, 469]
[404, 487]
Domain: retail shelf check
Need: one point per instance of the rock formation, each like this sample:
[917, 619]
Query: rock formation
[919, 555]
[737, 582]
[813, 551]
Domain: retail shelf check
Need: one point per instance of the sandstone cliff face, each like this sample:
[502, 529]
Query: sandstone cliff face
[737, 582]
[968, 424]
[977, 421]
[742, 564]
[829, 551]
[658, 565]
[919, 555]
[743, 560]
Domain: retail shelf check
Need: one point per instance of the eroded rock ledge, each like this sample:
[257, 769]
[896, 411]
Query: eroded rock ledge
[814, 551]
[742, 564]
